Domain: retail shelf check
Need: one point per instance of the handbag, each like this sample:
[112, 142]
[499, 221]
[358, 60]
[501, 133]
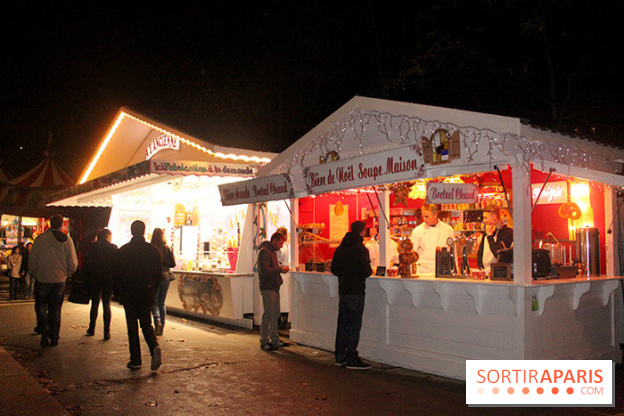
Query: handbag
[167, 275]
[79, 293]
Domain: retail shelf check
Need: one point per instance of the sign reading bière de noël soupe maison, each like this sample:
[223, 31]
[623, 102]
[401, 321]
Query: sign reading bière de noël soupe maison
[395, 165]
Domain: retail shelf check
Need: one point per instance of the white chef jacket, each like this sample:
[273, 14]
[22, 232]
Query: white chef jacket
[488, 256]
[426, 238]
[373, 252]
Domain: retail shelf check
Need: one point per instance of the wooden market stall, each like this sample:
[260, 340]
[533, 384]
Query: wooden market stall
[145, 170]
[379, 161]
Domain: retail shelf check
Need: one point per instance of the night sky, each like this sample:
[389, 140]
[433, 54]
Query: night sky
[260, 74]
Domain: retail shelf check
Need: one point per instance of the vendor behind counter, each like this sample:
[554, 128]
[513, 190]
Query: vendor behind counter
[498, 236]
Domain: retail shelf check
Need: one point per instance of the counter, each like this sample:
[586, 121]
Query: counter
[221, 297]
[435, 325]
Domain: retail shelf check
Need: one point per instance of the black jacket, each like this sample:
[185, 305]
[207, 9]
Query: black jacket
[351, 263]
[168, 261]
[99, 266]
[496, 241]
[138, 273]
[269, 269]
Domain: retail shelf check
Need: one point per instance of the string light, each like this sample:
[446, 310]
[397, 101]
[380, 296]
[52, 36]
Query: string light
[403, 130]
[122, 115]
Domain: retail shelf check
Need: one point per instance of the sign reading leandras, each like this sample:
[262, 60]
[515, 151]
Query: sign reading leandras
[395, 165]
[200, 168]
[268, 188]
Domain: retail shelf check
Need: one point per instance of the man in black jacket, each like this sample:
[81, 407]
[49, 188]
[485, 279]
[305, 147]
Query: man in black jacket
[351, 263]
[98, 271]
[138, 277]
[269, 274]
[497, 237]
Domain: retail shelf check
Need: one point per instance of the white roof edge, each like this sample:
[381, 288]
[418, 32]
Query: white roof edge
[460, 118]
[244, 152]
[530, 132]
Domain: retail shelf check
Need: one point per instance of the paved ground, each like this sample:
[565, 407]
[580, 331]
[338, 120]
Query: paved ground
[210, 370]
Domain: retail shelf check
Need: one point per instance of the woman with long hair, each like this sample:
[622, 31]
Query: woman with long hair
[159, 311]
[15, 265]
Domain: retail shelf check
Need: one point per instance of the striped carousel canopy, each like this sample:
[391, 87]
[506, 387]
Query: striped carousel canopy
[4, 176]
[46, 174]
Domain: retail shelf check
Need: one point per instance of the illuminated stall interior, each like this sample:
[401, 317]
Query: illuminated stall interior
[204, 234]
[15, 229]
[148, 171]
[565, 204]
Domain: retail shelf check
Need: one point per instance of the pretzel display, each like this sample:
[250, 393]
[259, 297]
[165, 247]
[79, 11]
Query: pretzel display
[570, 210]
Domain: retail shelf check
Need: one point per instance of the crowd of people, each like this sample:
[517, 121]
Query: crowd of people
[138, 273]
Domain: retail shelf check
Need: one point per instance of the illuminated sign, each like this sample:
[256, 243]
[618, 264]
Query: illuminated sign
[164, 141]
[391, 166]
[268, 188]
[200, 168]
[553, 193]
[452, 193]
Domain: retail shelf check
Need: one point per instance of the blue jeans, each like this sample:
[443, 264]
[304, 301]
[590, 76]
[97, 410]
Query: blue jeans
[30, 285]
[48, 303]
[270, 317]
[159, 310]
[350, 311]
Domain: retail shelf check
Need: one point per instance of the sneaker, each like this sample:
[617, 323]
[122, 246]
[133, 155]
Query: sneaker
[159, 330]
[106, 336]
[156, 361]
[132, 365]
[90, 332]
[341, 363]
[266, 347]
[358, 364]
[280, 344]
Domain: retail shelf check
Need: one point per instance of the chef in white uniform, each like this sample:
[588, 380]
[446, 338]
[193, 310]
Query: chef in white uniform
[431, 233]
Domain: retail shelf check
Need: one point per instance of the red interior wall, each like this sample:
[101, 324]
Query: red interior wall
[544, 218]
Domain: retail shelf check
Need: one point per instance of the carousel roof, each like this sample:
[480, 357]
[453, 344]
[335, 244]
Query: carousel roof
[46, 174]
[4, 176]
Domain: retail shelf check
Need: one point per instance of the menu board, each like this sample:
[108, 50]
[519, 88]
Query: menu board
[338, 222]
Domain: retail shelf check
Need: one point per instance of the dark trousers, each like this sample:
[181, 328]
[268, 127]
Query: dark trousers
[105, 294]
[48, 303]
[14, 284]
[135, 315]
[350, 311]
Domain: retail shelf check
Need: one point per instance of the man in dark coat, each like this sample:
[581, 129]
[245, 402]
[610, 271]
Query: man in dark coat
[497, 237]
[98, 271]
[269, 274]
[351, 263]
[136, 281]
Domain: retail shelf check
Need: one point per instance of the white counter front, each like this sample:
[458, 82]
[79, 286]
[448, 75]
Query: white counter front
[435, 325]
[221, 297]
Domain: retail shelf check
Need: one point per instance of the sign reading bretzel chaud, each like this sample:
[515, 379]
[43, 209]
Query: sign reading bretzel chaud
[395, 165]
[451, 193]
[268, 188]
